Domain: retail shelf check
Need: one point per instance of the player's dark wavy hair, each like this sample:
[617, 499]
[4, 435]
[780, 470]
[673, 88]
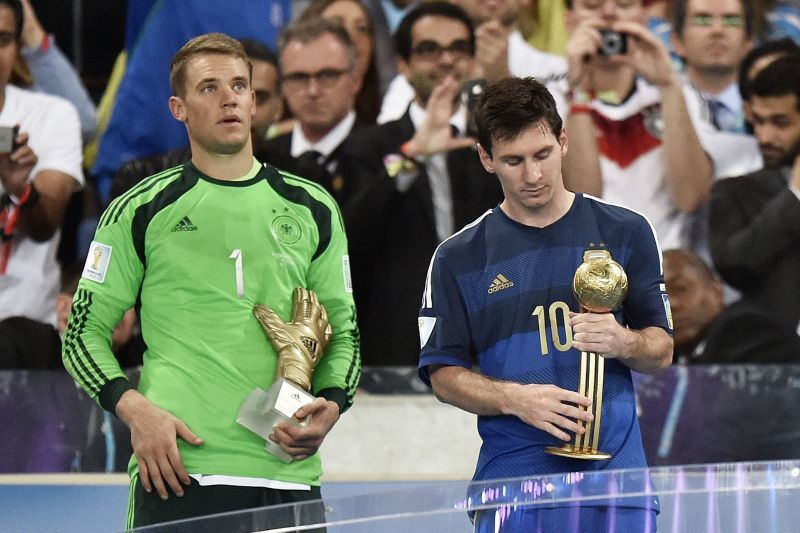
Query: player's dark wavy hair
[779, 78]
[511, 106]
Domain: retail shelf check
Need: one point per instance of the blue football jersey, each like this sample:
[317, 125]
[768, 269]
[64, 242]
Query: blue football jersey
[498, 297]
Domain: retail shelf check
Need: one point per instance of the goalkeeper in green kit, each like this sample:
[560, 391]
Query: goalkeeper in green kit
[195, 249]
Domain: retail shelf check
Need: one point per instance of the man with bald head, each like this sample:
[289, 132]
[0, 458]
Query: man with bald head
[707, 332]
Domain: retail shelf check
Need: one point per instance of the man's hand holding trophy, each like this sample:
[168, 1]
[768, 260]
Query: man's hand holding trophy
[300, 344]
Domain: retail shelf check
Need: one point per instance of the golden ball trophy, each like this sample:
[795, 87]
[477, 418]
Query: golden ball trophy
[300, 345]
[600, 285]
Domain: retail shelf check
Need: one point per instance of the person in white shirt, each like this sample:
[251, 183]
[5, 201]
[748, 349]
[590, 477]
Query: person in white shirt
[37, 176]
[637, 139]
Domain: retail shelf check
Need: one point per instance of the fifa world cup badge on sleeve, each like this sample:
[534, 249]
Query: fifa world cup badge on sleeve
[97, 261]
[300, 345]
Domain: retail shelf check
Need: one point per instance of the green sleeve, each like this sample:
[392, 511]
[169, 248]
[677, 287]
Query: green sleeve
[102, 297]
[337, 374]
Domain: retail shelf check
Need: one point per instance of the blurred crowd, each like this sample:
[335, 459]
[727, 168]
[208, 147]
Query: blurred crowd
[687, 111]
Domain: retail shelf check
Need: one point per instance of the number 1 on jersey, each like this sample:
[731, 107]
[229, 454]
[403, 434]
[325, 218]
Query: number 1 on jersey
[237, 255]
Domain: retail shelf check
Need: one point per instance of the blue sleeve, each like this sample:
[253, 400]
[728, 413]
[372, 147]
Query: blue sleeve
[54, 74]
[443, 322]
[646, 304]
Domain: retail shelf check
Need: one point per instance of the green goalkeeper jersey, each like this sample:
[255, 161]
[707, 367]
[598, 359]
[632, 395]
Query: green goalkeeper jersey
[194, 255]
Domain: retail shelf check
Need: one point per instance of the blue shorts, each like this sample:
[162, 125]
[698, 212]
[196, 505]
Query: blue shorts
[535, 519]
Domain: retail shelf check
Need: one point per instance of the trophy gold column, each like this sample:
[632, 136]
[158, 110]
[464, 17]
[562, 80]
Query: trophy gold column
[300, 345]
[600, 285]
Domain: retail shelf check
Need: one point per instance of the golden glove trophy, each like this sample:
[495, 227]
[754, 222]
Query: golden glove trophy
[300, 345]
[600, 285]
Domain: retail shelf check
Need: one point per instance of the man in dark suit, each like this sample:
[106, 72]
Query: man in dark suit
[755, 234]
[417, 180]
[319, 83]
[707, 332]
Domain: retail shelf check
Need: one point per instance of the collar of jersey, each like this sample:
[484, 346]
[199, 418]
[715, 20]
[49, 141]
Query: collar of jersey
[253, 175]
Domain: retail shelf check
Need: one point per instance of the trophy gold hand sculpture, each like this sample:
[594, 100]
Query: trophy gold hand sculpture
[600, 285]
[300, 345]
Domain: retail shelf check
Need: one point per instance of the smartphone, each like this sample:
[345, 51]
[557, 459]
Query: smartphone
[470, 93]
[8, 139]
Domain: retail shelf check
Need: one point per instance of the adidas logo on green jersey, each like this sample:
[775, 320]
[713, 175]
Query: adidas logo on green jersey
[185, 225]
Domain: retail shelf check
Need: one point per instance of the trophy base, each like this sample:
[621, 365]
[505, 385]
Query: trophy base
[262, 410]
[570, 451]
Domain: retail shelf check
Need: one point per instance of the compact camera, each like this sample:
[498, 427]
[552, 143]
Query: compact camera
[613, 43]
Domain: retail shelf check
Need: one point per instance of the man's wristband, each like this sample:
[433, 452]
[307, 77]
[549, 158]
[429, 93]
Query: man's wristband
[575, 109]
[405, 149]
[577, 97]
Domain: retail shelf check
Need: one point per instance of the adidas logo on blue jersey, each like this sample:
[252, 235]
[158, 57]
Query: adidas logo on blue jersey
[500, 283]
[185, 225]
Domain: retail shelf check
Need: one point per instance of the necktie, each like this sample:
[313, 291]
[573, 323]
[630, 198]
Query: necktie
[723, 118]
[310, 158]
[310, 165]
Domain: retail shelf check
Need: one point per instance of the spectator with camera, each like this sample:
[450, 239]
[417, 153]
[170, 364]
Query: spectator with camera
[416, 180]
[631, 130]
[40, 167]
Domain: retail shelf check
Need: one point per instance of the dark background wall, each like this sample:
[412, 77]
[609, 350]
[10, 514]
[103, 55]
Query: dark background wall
[90, 32]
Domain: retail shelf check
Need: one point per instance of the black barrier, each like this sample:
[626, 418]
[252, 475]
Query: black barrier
[720, 413]
[49, 424]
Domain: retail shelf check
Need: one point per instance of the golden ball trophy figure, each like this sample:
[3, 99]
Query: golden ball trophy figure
[300, 345]
[600, 285]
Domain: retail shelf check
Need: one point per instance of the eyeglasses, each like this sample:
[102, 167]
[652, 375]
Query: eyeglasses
[704, 19]
[326, 78]
[432, 51]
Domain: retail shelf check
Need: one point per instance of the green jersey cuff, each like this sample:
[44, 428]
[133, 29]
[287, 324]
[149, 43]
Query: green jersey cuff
[335, 395]
[110, 393]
